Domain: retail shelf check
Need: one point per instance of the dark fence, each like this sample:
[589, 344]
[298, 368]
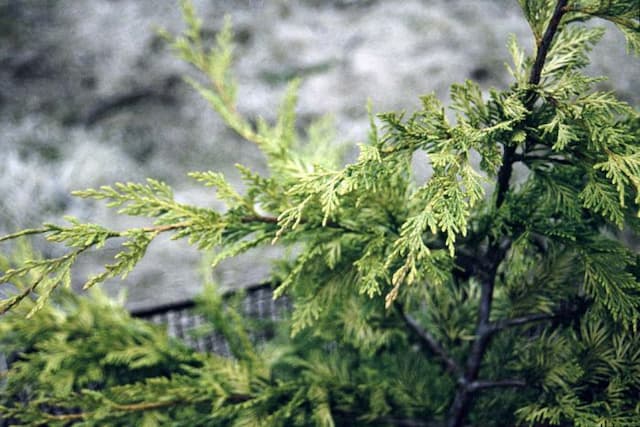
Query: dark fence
[183, 322]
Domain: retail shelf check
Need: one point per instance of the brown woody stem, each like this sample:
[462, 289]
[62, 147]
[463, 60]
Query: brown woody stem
[430, 342]
[497, 250]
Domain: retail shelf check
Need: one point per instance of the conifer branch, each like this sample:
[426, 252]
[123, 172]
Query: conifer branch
[523, 320]
[566, 310]
[545, 44]
[259, 218]
[504, 174]
[530, 158]
[134, 407]
[404, 422]
[483, 328]
[464, 394]
[145, 406]
[508, 158]
[50, 266]
[164, 228]
[49, 229]
[430, 342]
[17, 299]
[274, 220]
[140, 407]
[497, 249]
[22, 233]
[67, 417]
[484, 384]
[61, 266]
[388, 420]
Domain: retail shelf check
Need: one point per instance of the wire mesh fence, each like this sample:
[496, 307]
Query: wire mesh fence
[183, 321]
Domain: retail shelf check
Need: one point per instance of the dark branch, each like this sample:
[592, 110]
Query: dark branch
[496, 254]
[404, 422]
[430, 342]
[504, 175]
[496, 249]
[530, 158]
[260, 218]
[347, 417]
[567, 310]
[545, 44]
[508, 157]
[523, 320]
[66, 417]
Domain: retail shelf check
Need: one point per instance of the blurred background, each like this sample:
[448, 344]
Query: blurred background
[90, 95]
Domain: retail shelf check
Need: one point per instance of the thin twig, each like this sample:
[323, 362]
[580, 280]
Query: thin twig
[545, 43]
[140, 407]
[523, 320]
[146, 406]
[430, 342]
[67, 417]
[168, 227]
[529, 158]
[344, 415]
[274, 220]
[483, 384]
[30, 289]
[21, 233]
[404, 422]
[259, 218]
[17, 299]
[133, 407]
[565, 311]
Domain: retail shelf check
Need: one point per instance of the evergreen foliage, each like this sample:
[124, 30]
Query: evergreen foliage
[414, 304]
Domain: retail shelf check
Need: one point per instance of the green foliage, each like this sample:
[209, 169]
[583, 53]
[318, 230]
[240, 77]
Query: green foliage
[88, 360]
[410, 301]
